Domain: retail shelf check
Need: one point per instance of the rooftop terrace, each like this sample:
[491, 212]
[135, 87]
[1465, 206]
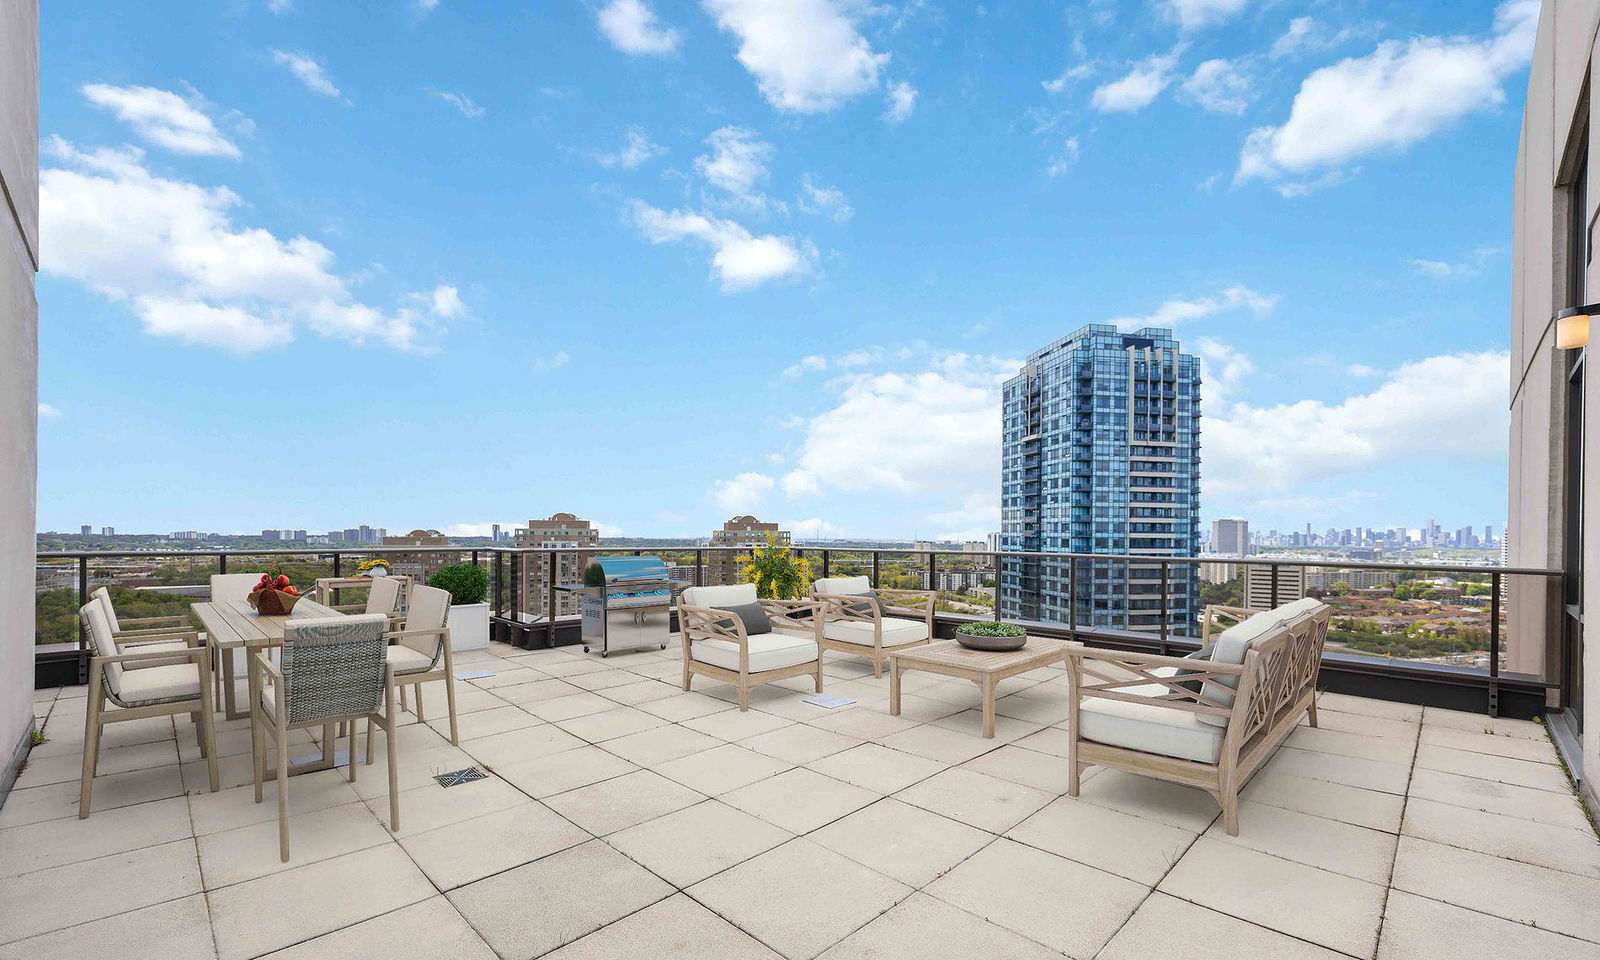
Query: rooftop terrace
[623, 817]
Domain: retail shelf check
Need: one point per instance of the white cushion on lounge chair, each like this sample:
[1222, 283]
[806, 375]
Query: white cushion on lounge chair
[406, 660]
[732, 595]
[1148, 728]
[160, 683]
[895, 632]
[843, 586]
[768, 651]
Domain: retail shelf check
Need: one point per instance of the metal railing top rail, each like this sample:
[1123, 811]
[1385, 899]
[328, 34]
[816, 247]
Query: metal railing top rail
[1258, 560]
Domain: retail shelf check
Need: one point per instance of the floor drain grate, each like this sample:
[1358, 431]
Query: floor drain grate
[456, 778]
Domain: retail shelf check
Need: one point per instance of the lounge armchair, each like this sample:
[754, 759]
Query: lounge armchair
[730, 634]
[330, 672]
[166, 682]
[421, 650]
[1207, 722]
[870, 622]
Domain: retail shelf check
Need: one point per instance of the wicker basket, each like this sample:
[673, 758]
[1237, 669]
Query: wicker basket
[272, 603]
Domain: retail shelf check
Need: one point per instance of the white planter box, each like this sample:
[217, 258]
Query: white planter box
[469, 626]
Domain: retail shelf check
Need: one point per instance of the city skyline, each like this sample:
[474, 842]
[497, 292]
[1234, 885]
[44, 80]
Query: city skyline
[769, 225]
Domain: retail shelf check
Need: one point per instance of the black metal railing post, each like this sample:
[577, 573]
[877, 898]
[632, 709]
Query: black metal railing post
[933, 571]
[699, 564]
[1494, 644]
[222, 563]
[338, 563]
[499, 584]
[824, 565]
[1163, 608]
[1072, 596]
[875, 556]
[550, 602]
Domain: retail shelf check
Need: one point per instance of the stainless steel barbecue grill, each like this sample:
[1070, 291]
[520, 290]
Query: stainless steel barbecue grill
[634, 608]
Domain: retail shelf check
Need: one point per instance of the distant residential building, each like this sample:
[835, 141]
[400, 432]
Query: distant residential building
[1259, 593]
[923, 546]
[85, 530]
[1100, 454]
[108, 531]
[1356, 578]
[1214, 571]
[962, 581]
[722, 566]
[993, 540]
[420, 565]
[531, 583]
[494, 532]
[1230, 537]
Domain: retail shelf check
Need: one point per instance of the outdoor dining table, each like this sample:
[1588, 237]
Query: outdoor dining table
[234, 625]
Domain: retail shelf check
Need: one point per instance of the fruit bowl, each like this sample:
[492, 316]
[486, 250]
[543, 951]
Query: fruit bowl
[270, 602]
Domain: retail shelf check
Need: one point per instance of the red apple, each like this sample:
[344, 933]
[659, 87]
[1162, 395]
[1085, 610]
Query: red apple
[281, 582]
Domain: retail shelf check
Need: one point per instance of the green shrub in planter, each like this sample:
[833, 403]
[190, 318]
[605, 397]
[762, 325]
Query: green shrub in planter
[594, 575]
[987, 628]
[466, 582]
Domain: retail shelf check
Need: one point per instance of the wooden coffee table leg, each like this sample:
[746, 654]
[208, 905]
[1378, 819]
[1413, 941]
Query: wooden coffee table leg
[894, 686]
[987, 686]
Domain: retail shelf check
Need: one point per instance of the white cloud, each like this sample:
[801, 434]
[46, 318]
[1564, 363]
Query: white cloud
[638, 150]
[545, 364]
[1064, 159]
[47, 412]
[468, 107]
[606, 529]
[975, 519]
[446, 302]
[804, 364]
[163, 118]
[1362, 370]
[1222, 369]
[825, 201]
[1220, 86]
[1307, 35]
[1069, 76]
[744, 493]
[932, 432]
[806, 55]
[280, 6]
[902, 101]
[740, 259]
[1397, 95]
[425, 7]
[170, 250]
[632, 27]
[1445, 406]
[736, 165]
[1452, 269]
[1194, 14]
[1177, 310]
[814, 528]
[484, 529]
[1139, 87]
[307, 70]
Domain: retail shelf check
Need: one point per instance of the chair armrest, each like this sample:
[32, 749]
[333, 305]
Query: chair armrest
[144, 637]
[431, 632]
[197, 654]
[152, 621]
[709, 624]
[261, 660]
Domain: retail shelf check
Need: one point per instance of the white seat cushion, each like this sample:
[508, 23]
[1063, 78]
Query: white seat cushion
[895, 632]
[768, 651]
[1148, 728]
[843, 586]
[731, 595]
[160, 683]
[406, 660]
[161, 645]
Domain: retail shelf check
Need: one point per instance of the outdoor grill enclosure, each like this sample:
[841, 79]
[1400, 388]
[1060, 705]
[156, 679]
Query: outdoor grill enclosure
[633, 610]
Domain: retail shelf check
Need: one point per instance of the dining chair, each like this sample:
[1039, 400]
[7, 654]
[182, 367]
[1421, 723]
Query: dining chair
[421, 650]
[384, 597]
[177, 684]
[330, 670]
[142, 635]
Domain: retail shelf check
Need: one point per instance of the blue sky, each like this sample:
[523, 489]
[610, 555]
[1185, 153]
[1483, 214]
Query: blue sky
[440, 264]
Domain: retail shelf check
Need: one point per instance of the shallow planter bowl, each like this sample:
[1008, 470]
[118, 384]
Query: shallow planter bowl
[974, 642]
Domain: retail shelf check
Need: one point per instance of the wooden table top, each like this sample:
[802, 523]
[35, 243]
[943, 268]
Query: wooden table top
[949, 653]
[232, 623]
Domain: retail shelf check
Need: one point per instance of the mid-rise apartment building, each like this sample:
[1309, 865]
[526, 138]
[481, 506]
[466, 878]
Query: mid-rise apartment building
[722, 566]
[1101, 455]
[420, 565]
[532, 573]
[1230, 537]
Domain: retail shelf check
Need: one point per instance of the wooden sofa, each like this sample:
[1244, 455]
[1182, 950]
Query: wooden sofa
[1142, 713]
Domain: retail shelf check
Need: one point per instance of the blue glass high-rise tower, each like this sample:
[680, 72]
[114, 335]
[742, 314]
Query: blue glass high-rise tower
[1102, 456]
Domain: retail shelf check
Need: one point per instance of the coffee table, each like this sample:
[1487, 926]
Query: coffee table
[983, 667]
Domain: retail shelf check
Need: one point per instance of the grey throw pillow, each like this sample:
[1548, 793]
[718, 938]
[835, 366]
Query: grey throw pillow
[1204, 653]
[754, 618]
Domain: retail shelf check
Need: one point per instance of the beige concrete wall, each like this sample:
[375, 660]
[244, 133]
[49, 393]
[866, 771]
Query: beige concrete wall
[1557, 103]
[19, 369]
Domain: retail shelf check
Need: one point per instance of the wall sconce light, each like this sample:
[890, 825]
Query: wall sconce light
[1572, 326]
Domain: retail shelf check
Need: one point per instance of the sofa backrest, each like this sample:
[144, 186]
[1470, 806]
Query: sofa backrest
[732, 595]
[1289, 637]
[843, 586]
